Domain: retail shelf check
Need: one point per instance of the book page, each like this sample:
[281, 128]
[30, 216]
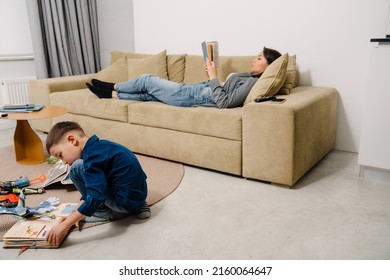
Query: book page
[57, 174]
[30, 229]
[215, 53]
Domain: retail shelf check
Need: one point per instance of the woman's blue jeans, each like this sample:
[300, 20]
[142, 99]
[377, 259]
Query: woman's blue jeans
[152, 88]
[77, 176]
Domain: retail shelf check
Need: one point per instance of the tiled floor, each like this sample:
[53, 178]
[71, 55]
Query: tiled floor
[330, 214]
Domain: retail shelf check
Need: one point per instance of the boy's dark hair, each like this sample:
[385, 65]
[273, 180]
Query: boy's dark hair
[59, 130]
[270, 55]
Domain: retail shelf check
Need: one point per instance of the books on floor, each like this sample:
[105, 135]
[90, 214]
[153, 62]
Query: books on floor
[33, 233]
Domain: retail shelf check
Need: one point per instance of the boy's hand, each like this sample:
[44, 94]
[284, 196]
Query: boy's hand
[211, 69]
[58, 232]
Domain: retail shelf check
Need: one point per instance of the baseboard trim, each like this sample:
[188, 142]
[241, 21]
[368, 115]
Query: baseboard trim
[374, 174]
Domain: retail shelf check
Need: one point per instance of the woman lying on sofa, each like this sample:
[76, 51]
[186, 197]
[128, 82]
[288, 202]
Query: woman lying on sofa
[209, 93]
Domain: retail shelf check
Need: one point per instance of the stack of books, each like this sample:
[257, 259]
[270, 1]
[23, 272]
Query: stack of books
[20, 108]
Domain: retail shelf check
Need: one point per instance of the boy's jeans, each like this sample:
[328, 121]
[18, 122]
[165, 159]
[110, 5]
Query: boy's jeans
[77, 177]
[152, 88]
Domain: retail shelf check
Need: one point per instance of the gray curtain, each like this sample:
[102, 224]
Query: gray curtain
[65, 37]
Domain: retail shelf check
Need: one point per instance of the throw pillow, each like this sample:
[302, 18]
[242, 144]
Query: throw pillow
[291, 77]
[175, 67]
[271, 80]
[155, 64]
[116, 72]
[194, 69]
[115, 55]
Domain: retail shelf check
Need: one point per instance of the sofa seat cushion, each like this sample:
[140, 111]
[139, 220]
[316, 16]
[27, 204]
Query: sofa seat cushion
[84, 102]
[222, 123]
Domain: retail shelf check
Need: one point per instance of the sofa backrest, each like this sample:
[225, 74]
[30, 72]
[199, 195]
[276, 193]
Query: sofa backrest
[194, 70]
[175, 63]
[183, 68]
[190, 68]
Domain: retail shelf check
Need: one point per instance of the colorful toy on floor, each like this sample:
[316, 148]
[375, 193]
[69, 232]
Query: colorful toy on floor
[41, 209]
[9, 200]
[15, 186]
[12, 194]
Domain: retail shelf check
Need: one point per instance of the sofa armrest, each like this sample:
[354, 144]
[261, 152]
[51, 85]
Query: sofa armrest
[40, 90]
[281, 142]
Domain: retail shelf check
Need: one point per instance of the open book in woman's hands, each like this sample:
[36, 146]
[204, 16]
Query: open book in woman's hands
[211, 52]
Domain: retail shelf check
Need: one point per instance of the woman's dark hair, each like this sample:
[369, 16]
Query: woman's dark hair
[270, 54]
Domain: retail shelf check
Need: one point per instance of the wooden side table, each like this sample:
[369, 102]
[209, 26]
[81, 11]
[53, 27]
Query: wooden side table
[28, 145]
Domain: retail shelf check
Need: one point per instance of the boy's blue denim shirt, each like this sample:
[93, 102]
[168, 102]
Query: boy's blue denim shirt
[111, 170]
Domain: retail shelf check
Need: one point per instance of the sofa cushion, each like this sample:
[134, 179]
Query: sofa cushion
[115, 55]
[116, 72]
[175, 63]
[156, 65]
[221, 123]
[175, 67]
[194, 70]
[291, 77]
[271, 80]
[84, 102]
[195, 73]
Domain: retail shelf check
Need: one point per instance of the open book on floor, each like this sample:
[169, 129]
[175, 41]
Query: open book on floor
[58, 173]
[33, 233]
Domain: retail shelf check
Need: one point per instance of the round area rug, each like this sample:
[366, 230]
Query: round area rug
[163, 178]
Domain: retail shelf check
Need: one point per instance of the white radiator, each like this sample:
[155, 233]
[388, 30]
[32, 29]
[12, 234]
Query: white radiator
[15, 91]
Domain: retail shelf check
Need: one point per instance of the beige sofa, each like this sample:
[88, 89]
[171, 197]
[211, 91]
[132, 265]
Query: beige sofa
[271, 142]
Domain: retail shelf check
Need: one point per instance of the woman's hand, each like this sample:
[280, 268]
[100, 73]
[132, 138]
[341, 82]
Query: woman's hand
[211, 69]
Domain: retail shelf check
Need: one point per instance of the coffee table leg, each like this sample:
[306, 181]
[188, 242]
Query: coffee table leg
[28, 145]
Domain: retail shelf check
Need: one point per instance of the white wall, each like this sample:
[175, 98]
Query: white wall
[14, 28]
[16, 41]
[330, 38]
[16, 59]
[116, 32]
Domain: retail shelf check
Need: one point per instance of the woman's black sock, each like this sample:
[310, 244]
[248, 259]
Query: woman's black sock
[101, 84]
[100, 92]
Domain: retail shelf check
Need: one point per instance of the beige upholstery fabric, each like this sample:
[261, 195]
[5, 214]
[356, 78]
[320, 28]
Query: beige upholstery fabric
[194, 71]
[116, 72]
[84, 102]
[194, 149]
[115, 55]
[223, 123]
[291, 77]
[175, 63]
[105, 129]
[271, 80]
[156, 65]
[176, 67]
[283, 141]
[40, 90]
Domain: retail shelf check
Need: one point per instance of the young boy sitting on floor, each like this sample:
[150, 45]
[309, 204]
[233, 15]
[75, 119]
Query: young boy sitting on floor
[107, 174]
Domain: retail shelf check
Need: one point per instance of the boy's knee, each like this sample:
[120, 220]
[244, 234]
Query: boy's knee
[77, 164]
[76, 167]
